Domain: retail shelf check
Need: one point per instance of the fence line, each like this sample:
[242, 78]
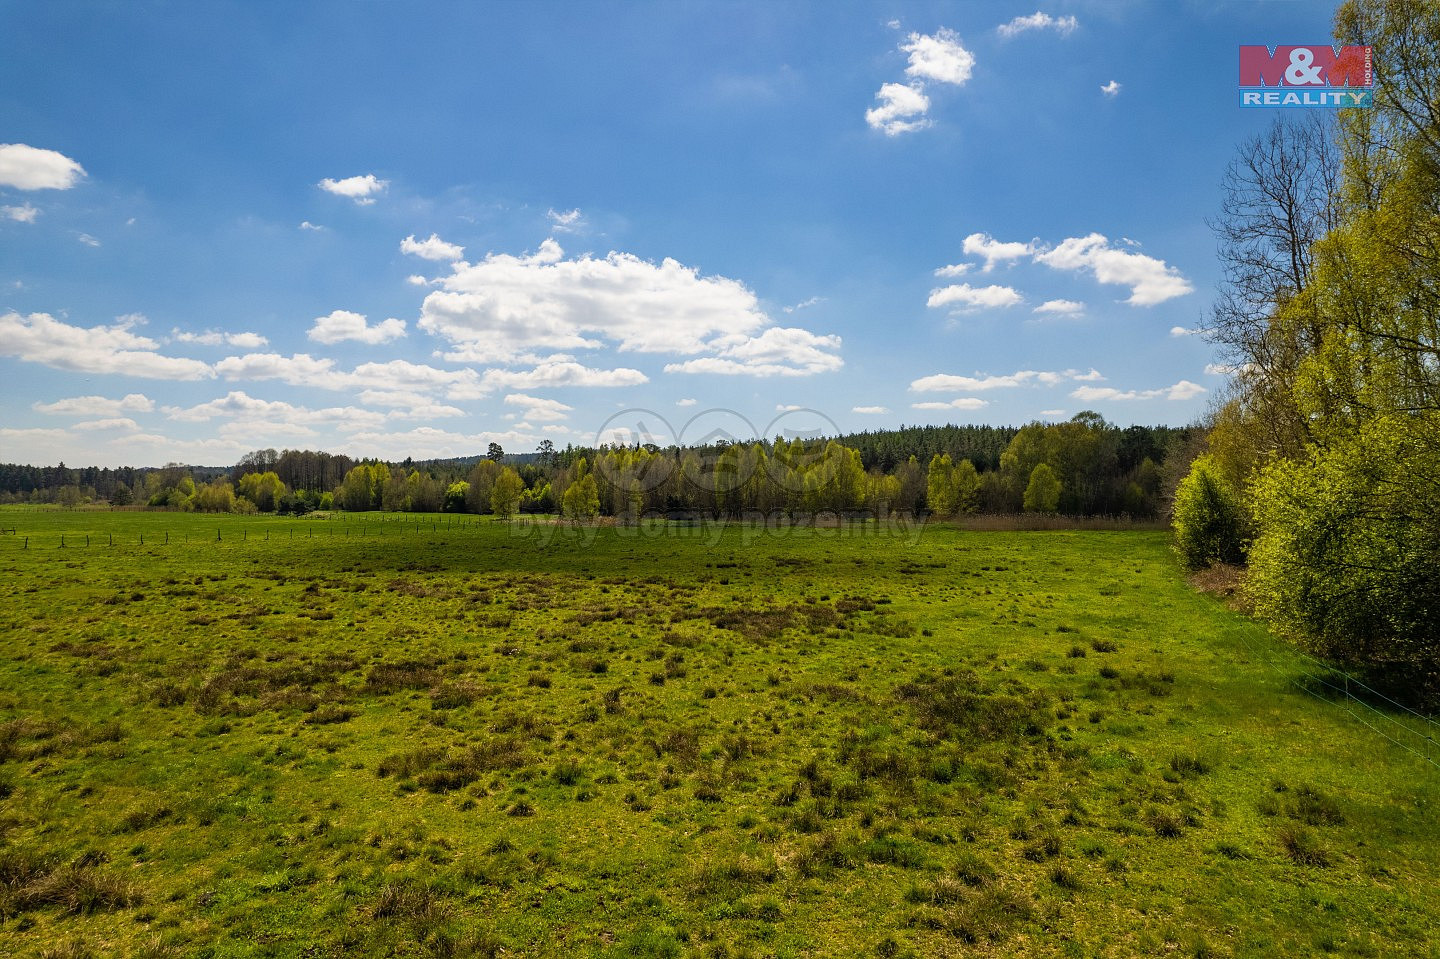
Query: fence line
[1428, 739]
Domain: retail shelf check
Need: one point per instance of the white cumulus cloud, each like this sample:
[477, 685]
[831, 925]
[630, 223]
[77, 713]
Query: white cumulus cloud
[391, 377]
[555, 373]
[1184, 390]
[361, 189]
[1151, 281]
[959, 403]
[300, 369]
[902, 109]
[431, 249]
[31, 168]
[117, 424]
[966, 298]
[276, 415]
[425, 411]
[506, 308]
[947, 382]
[245, 341]
[97, 405]
[940, 57]
[1111, 89]
[342, 325]
[40, 338]
[1038, 21]
[538, 409]
[778, 351]
[1061, 307]
[994, 251]
[870, 410]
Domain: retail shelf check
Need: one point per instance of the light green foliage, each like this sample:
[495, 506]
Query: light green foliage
[1084, 454]
[1345, 554]
[263, 489]
[216, 497]
[883, 492]
[171, 487]
[1207, 518]
[505, 494]
[363, 487]
[940, 486]
[1042, 493]
[1347, 526]
[951, 489]
[482, 482]
[539, 499]
[424, 493]
[581, 500]
[966, 484]
[71, 496]
[455, 495]
[395, 489]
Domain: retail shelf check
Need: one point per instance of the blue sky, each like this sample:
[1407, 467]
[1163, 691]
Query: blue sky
[397, 229]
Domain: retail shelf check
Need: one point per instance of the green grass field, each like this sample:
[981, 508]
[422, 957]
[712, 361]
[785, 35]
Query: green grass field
[309, 737]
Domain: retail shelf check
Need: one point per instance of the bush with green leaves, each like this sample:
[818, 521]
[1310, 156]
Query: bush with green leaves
[1344, 554]
[1207, 517]
[1042, 493]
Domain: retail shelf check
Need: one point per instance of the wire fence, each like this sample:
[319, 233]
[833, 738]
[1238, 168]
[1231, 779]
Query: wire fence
[1403, 726]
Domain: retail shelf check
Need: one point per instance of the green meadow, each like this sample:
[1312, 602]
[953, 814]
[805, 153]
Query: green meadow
[377, 736]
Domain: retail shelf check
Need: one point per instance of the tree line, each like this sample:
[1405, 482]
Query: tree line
[1083, 466]
[1322, 468]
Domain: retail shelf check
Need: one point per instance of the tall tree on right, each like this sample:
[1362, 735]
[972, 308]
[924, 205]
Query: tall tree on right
[1346, 511]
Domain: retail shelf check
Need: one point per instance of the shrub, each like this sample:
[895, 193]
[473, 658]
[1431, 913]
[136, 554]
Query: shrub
[407, 901]
[974, 871]
[1301, 846]
[1343, 558]
[990, 914]
[1209, 525]
[567, 772]
[1187, 764]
